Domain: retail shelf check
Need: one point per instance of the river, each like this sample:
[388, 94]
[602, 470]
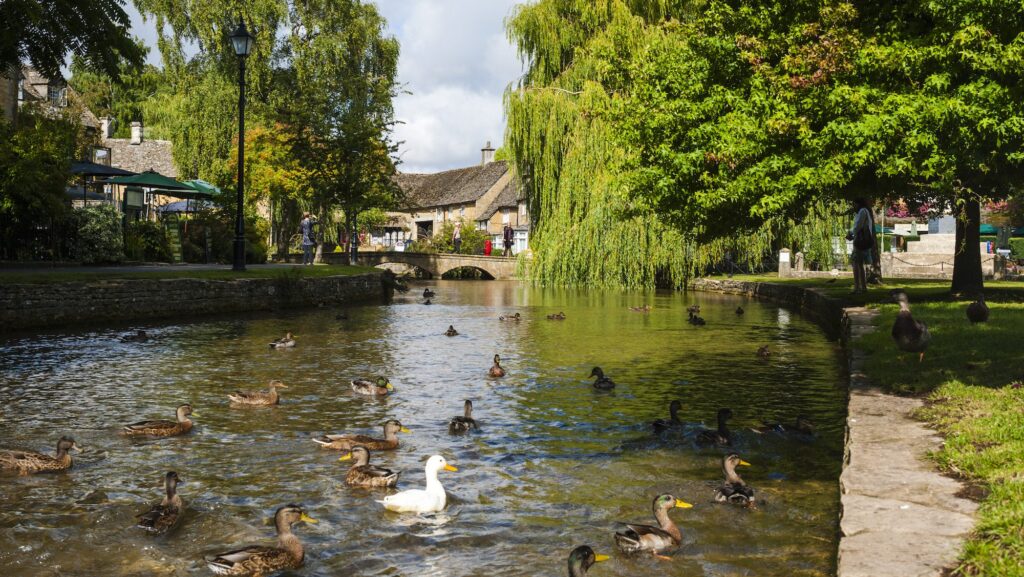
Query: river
[556, 463]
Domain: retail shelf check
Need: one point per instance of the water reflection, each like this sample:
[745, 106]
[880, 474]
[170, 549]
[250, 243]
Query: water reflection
[555, 464]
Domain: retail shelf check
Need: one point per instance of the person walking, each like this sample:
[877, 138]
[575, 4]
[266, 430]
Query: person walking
[863, 236]
[508, 236]
[308, 244]
[457, 237]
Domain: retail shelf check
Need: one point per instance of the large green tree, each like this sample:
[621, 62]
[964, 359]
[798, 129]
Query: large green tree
[43, 32]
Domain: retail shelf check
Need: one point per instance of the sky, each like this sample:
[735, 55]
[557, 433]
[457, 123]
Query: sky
[455, 61]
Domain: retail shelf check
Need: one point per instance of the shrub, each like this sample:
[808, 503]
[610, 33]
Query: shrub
[472, 239]
[99, 235]
[220, 225]
[147, 240]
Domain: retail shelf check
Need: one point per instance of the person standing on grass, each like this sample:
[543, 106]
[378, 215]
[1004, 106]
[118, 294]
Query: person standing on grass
[308, 244]
[863, 236]
[457, 237]
[508, 236]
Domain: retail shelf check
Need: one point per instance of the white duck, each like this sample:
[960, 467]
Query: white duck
[429, 500]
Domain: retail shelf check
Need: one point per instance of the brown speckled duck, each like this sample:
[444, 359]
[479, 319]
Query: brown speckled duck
[27, 463]
[363, 474]
[346, 442]
[496, 370]
[257, 560]
[285, 342]
[911, 335]
[648, 538]
[734, 490]
[259, 398]
[163, 428]
[465, 423]
[977, 312]
[165, 515]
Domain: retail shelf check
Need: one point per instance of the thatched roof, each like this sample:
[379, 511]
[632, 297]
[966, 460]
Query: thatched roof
[509, 197]
[459, 186]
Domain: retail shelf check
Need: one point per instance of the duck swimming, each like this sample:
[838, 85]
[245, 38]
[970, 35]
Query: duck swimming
[363, 474]
[346, 442]
[27, 463]
[693, 309]
[451, 332]
[602, 382]
[496, 370]
[514, 317]
[695, 320]
[911, 335]
[163, 428]
[464, 423]
[285, 342]
[381, 387]
[560, 316]
[582, 559]
[739, 310]
[802, 426]
[431, 499]
[734, 490]
[140, 336]
[764, 352]
[720, 436]
[259, 398]
[977, 312]
[256, 560]
[427, 293]
[641, 309]
[164, 516]
[673, 422]
[648, 538]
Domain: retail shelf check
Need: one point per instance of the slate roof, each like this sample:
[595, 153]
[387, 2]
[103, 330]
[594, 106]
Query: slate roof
[509, 197]
[149, 154]
[459, 186]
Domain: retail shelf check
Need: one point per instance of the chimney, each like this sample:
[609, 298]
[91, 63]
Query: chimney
[106, 127]
[136, 133]
[486, 154]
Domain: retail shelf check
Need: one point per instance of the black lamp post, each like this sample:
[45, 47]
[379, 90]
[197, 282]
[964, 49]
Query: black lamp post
[242, 42]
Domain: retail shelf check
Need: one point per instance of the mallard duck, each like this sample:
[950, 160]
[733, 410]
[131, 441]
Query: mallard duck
[582, 559]
[26, 463]
[140, 336]
[560, 316]
[734, 490]
[802, 426]
[764, 352]
[163, 428]
[427, 293]
[268, 397]
[381, 387]
[285, 342]
[464, 423]
[601, 382]
[739, 310]
[642, 309]
[363, 474]
[673, 422]
[651, 539]
[977, 312]
[258, 560]
[164, 516]
[345, 442]
[513, 317]
[496, 370]
[694, 309]
[695, 320]
[451, 332]
[910, 335]
[428, 500]
[719, 436]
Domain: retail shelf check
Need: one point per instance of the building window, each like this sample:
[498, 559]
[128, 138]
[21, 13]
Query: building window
[462, 211]
[21, 90]
[438, 214]
[504, 216]
[481, 225]
[101, 155]
[58, 96]
[522, 209]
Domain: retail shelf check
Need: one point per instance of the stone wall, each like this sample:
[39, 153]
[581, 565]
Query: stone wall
[828, 313]
[33, 306]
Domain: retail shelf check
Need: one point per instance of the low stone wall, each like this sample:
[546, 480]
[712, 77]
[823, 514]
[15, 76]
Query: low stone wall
[33, 306]
[900, 516]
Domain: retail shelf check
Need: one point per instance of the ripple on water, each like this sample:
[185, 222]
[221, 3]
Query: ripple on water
[555, 464]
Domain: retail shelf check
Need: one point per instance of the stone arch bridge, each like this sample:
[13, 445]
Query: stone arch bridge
[499, 268]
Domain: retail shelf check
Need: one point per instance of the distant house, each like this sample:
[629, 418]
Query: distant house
[484, 196]
[51, 94]
[137, 154]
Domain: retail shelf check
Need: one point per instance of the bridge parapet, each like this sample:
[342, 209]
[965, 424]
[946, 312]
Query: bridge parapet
[500, 268]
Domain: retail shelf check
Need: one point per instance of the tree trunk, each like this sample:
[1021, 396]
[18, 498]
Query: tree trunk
[967, 278]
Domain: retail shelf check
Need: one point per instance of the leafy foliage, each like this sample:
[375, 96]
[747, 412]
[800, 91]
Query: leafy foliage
[99, 235]
[472, 238]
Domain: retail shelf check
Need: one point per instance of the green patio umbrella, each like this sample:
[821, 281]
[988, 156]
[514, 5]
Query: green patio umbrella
[151, 179]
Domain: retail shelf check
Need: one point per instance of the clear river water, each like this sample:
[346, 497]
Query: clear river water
[555, 464]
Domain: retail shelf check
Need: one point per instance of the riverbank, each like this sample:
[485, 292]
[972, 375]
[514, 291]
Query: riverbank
[963, 390]
[36, 299]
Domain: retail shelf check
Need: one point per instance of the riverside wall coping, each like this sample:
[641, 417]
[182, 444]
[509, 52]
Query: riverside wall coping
[900, 516]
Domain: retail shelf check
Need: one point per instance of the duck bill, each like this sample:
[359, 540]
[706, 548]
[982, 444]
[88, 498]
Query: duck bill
[346, 457]
[404, 430]
[744, 463]
[451, 468]
[76, 448]
[308, 519]
[683, 504]
[194, 414]
[599, 558]
[389, 387]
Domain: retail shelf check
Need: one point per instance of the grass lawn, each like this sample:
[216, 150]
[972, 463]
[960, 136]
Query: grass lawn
[973, 380]
[93, 275]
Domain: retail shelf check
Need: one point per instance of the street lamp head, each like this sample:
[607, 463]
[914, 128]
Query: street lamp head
[242, 40]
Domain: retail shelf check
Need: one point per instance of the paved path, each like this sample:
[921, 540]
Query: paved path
[901, 517]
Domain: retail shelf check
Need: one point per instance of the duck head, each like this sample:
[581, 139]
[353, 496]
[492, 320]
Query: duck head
[582, 559]
[438, 463]
[392, 426]
[359, 454]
